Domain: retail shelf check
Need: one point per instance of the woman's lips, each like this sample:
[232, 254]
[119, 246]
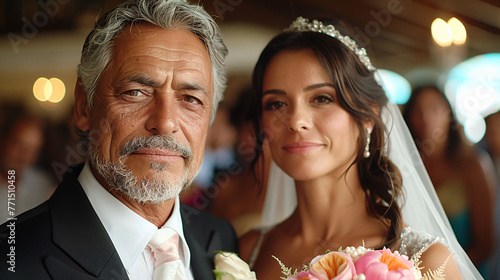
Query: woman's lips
[301, 147]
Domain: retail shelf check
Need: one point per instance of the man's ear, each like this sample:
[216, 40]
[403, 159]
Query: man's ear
[82, 110]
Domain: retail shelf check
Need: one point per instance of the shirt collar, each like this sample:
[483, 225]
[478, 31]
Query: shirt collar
[129, 232]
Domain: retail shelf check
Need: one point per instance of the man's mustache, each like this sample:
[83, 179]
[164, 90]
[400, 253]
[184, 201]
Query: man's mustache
[167, 142]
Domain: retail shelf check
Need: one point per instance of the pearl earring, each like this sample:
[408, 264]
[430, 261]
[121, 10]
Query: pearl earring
[367, 147]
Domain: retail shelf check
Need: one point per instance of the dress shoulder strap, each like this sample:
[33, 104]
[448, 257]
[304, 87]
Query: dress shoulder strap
[413, 241]
[256, 248]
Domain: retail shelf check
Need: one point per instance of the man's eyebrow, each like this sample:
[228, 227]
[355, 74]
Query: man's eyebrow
[141, 79]
[194, 86]
[315, 86]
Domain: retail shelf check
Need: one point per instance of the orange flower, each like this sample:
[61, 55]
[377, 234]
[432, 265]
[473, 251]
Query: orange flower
[392, 262]
[334, 265]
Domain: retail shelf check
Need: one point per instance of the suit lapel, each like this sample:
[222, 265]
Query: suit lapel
[78, 231]
[201, 264]
[202, 244]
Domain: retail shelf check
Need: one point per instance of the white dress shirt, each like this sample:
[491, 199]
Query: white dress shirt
[129, 232]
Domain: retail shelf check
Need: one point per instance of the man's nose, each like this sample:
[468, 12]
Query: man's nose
[164, 115]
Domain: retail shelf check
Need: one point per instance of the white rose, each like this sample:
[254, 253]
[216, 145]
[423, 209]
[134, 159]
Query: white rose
[229, 266]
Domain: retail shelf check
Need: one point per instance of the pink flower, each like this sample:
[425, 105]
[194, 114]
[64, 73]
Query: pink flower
[384, 265]
[333, 266]
[303, 275]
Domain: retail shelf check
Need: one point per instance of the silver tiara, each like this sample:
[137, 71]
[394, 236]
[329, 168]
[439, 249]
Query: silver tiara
[302, 24]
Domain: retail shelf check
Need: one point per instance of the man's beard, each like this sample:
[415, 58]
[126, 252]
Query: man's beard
[156, 190]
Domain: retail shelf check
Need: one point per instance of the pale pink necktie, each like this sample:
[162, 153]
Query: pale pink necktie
[164, 246]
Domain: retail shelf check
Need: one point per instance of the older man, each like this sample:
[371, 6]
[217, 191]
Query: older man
[150, 78]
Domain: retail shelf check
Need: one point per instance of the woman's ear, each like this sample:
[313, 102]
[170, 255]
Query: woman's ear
[82, 110]
[369, 123]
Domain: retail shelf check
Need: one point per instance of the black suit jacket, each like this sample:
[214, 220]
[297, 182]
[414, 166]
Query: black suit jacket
[64, 239]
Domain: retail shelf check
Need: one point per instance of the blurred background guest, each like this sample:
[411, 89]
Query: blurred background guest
[243, 191]
[21, 141]
[462, 175]
[492, 138]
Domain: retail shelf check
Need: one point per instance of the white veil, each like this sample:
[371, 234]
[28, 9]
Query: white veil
[421, 207]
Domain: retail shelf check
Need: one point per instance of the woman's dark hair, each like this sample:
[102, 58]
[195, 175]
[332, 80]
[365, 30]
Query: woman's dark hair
[453, 139]
[363, 98]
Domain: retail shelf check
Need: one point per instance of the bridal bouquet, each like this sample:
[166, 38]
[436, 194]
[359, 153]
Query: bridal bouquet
[350, 264]
[362, 264]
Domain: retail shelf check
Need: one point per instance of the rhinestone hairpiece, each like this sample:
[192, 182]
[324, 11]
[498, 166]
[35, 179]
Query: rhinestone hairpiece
[303, 24]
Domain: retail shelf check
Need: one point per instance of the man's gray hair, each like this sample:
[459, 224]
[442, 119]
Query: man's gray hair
[168, 14]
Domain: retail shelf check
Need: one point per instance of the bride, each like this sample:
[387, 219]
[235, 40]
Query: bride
[326, 120]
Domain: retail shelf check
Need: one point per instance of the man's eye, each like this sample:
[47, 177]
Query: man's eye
[134, 92]
[192, 99]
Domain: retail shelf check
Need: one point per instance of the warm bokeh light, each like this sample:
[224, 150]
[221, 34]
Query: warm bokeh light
[447, 33]
[58, 90]
[52, 90]
[39, 89]
[441, 33]
[47, 90]
[458, 31]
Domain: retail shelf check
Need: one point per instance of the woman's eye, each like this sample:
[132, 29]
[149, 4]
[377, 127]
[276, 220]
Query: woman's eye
[274, 105]
[323, 99]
